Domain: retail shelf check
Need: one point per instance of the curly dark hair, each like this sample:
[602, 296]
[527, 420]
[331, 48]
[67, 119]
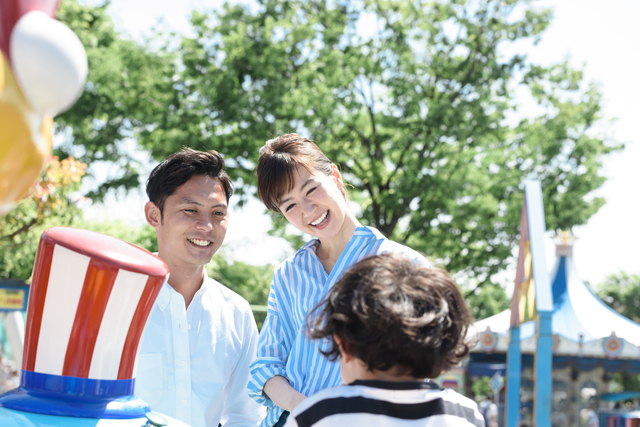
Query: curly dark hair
[179, 168]
[390, 312]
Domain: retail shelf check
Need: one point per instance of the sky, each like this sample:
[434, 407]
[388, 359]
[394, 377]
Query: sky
[602, 37]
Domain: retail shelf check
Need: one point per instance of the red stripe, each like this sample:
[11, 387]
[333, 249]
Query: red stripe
[37, 294]
[93, 301]
[148, 297]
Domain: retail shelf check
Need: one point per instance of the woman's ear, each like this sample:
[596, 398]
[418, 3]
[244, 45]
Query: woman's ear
[337, 177]
[335, 172]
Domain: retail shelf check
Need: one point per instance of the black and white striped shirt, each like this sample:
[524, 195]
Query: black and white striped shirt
[386, 403]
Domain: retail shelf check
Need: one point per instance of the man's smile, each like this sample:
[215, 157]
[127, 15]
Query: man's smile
[200, 242]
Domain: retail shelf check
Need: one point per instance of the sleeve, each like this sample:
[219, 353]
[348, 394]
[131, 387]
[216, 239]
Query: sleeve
[273, 349]
[239, 409]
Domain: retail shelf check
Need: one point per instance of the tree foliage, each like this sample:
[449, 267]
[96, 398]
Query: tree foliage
[621, 292]
[415, 101]
[249, 281]
[53, 202]
[127, 96]
[487, 300]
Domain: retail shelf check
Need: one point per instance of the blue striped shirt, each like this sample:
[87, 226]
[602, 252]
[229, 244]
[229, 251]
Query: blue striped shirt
[298, 284]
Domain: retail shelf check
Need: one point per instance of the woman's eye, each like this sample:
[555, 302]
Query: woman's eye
[311, 190]
[288, 208]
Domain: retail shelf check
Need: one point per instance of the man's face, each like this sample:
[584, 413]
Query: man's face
[193, 224]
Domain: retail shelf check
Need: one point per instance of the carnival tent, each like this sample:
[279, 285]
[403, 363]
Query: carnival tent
[582, 324]
[590, 343]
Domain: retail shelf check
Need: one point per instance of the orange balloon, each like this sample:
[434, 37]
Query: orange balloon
[25, 142]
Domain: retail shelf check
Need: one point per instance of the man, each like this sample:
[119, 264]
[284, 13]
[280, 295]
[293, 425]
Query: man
[200, 337]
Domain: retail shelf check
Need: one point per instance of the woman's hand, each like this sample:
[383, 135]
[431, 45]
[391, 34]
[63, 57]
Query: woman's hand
[282, 394]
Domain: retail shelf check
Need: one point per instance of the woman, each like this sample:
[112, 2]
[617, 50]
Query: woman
[298, 180]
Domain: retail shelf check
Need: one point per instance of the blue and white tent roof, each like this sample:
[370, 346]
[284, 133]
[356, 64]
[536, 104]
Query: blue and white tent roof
[581, 323]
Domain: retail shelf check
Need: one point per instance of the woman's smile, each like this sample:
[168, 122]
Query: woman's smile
[321, 220]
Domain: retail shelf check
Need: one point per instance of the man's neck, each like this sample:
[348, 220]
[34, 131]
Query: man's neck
[186, 281]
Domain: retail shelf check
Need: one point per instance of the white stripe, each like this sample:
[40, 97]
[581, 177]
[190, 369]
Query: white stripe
[535, 214]
[114, 328]
[68, 270]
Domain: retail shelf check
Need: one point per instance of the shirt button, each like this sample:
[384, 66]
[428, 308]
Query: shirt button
[184, 401]
[189, 325]
[182, 363]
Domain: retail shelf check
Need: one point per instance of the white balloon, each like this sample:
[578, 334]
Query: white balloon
[48, 61]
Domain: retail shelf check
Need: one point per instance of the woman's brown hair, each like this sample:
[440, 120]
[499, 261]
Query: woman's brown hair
[277, 164]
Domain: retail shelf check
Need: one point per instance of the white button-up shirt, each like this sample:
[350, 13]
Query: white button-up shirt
[193, 364]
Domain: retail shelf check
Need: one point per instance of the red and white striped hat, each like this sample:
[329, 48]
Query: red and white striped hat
[90, 298]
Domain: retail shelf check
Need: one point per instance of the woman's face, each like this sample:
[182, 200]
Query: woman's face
[315, 205]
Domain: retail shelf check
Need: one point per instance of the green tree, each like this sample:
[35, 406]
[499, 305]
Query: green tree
[249, 281]
[127, 96]
[621, 292]
[415, 103]
[487, 300]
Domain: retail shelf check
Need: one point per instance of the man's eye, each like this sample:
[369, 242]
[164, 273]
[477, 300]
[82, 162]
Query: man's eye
[219, 213]
[189, 210]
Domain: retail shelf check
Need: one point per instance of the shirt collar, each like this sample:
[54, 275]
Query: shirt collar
[398, 385]
[167, 291]
[360, 231]
[164, 296]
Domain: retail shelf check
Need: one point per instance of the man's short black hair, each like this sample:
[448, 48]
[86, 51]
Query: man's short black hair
[390, 312]
[179, 168]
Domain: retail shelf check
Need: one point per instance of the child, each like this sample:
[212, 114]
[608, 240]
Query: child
[393, 324]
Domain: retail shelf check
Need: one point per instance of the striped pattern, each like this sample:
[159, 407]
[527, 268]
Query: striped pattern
[382, 403]
[123, 301]
[62, 297]
[85, 315]
[298, 284]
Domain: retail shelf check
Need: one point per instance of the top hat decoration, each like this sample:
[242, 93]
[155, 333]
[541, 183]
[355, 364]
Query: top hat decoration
[90, 298]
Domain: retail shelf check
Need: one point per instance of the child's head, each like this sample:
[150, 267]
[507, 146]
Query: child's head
[394, 315]
[278, 162]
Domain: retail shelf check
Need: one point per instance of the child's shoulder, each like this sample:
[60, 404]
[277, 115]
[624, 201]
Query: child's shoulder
[369, 394]
[337, 392]
[455, 397]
